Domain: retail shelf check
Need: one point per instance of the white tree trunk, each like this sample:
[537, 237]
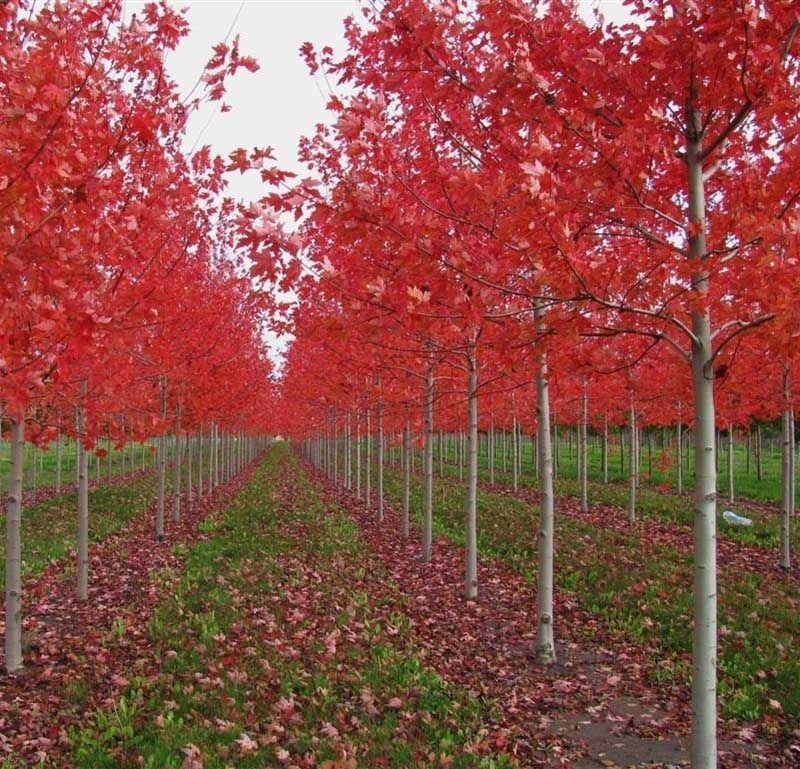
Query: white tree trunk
[633, 466]
[471, 518]
[176, 479]
[787, 429]
[83, 504]
[58, 462]
[379, 489]
[13, 639]
[584, 450]
[730, 464]
[605, 449]
[404, 523]
[545, 639]
[704, 647]
[368, 464]
[427, 468]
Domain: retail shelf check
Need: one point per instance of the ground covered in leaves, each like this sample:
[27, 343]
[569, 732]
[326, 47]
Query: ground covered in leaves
[281, 624]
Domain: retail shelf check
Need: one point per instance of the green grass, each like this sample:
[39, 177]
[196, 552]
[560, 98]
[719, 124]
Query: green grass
[49, 529]
[653, 502]
[657, 468]
[284, 642]
[39, 467]
[643, 592]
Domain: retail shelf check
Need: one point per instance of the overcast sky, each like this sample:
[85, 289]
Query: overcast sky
[281, 102]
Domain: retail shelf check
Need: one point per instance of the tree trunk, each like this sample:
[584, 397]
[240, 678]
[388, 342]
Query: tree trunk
[83, 503]
[189, 478]
[633, 466]
[759, 466]
[58, 463]
[176, 478]
[730, 463]
[584, 452]
[380, 462]
[162, 466]
[427, 467]
[545, 644]
[404, 524]
[514, 451]
[787, 428]
[368, 462]
[358, 455]
[605, 449]
[490, 453]
[679, 467]
[704, 647]
[471, 522]
[13, 639]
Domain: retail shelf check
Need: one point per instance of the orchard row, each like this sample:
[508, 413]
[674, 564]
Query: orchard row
[524, 212]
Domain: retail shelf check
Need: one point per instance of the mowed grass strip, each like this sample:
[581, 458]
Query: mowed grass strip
[277, 650]
[643, 591]
[655, 501]
[49, 528]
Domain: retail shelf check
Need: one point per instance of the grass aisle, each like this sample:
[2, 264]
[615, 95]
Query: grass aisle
[49, 526]
[636, 584]
[79, 655]
[285, 644]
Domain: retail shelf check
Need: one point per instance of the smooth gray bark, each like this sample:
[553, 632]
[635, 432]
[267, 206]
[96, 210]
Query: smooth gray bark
[584, 449]
[704, 646]
[471, 518]
[633, 466]
[730, 464]
[427, 467]
[368, 463]
[83, 505]
[58, 462]
[787, 491]
[545, 651]
[404, 522]
[13, 638]
[176, 479]
[379, 489]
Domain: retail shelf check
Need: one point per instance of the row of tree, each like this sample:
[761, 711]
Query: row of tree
[125, 309]
[512, 200]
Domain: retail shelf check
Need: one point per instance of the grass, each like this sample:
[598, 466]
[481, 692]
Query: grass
[643, 592]
[653, 502]
[39, 467]
[284, 645]
[49, 528]
[657, 467]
